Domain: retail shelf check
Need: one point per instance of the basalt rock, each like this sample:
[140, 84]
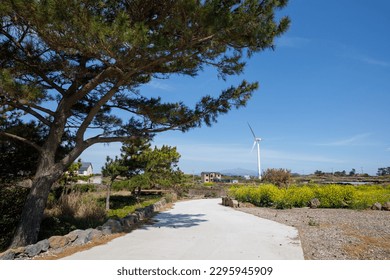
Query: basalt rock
[314, 203]
[386, 206]
[129, 221]
[35, 249]
[227, 201]
[112, 226]
[376, 206]
[58, 241]
[7, 255]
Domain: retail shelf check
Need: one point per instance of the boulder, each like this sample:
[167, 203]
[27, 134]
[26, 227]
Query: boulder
[159, 205]
[314, 203]
[7, 255]
[140, 214]
[376, 206]
[386, 206]
[87, 235]
[112, 226]
[129, 221]
[82, 238]
[149, 211]
[95, 234]
[73, 235]
[225, 201]
[58, 241]
[235, 203]
[35, 249]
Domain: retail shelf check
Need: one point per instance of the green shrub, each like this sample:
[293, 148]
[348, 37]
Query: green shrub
[263, 195]
[170, 197]
[84, 188]
[300, 196]
[11, 206]
[124, 211]
[330, 196]
[294, 196]
[335, 196]
[366, 196]
[283, 200]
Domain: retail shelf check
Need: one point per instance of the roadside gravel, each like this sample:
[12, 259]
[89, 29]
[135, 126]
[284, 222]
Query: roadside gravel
[335, 234]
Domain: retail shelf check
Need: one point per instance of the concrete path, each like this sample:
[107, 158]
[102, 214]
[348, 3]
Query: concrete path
[202, 230]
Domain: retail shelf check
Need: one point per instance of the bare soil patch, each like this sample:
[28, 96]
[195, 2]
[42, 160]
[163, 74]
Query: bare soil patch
[335, 234]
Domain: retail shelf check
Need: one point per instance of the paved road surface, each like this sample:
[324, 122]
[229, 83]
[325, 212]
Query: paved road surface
[202, 230]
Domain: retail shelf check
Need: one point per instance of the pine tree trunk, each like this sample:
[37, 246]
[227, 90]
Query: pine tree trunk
[108, 196]
[138, 191]
[32, 215]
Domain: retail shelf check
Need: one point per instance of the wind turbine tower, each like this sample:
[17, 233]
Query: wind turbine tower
[257, 142]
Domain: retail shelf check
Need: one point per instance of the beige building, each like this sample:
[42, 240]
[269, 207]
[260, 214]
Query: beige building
[207, 177]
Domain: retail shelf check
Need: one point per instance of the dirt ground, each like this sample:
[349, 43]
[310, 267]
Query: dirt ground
[335, 234]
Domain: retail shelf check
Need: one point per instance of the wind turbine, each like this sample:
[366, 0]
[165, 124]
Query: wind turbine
[257, 141]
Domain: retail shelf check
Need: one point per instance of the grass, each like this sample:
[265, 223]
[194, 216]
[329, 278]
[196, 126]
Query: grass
[80, 210]
[330, 196]
[126, 205]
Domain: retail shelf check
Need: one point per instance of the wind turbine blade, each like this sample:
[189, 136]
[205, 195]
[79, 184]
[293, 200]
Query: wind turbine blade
[252, 131]
[254, 144]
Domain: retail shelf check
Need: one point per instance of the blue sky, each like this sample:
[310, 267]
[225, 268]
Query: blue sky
[323, 101]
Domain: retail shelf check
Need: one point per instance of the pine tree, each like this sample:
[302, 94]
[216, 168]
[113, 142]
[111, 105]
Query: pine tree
[73, 64]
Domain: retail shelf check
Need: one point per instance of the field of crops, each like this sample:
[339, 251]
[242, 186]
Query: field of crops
[330, 196]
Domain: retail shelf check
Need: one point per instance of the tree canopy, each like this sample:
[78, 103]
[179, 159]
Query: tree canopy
[76, 66]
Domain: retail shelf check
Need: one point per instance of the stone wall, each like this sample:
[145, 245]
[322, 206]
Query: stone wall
[78, 237]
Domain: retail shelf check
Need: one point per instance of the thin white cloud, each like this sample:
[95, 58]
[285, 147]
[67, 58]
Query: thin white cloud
[367, 59]
[374, 61]
[160, 86]
[358, 139]
[292, 42]
[238, 155]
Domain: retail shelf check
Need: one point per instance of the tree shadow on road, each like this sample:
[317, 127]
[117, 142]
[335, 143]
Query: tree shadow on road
[176, 220]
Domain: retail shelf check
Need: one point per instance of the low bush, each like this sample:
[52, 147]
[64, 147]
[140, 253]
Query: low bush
[335, 196]
[330, 196]
[295, 196]
[84, 187]
[130, 208]
[365, 197]
[170, 197]
[264, 195]
[11, 206]
[279, 177]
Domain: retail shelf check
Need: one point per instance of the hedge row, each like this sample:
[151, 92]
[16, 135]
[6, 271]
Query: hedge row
[330, 196]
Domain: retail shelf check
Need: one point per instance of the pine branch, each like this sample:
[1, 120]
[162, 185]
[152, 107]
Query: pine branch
[21, 139]
[95, 109]
[29, 110]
